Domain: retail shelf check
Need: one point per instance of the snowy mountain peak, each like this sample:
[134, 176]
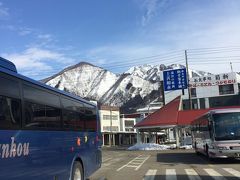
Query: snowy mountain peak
[131, 90]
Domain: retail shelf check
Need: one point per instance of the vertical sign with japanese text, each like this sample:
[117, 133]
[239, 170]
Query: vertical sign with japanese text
[175, 79]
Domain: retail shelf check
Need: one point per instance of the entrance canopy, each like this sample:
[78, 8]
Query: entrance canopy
[170, 115]
[166, 116]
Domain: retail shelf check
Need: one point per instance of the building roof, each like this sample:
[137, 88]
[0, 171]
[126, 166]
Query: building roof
[185, 117]
[108, 108]
[167, 115]
[170, 115]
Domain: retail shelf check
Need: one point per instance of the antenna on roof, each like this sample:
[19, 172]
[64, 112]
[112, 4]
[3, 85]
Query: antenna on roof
[231, 67]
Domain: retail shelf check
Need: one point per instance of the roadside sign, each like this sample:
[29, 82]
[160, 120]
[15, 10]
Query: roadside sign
[175, 79]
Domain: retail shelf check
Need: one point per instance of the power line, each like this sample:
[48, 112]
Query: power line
[213, 52]
[204, 55]
[202, 63]
[219, 57]
[214, 48]
[144, 59]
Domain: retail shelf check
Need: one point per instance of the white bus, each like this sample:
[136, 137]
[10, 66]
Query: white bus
[217, 133]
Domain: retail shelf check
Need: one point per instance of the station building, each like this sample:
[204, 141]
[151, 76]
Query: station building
[210, 91]
[207, 92]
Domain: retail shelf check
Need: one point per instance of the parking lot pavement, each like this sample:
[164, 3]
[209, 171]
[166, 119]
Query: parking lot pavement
[120, 164]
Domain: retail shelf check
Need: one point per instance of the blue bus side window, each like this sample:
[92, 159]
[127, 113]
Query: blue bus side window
[41, 116]
[10, 113]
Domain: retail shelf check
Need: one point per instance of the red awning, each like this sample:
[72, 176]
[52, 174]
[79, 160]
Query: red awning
[167, 115]
[187, 116]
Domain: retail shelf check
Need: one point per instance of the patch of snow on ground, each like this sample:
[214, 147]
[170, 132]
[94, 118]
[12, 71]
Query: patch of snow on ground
[149, 146]
[153, 146]
[186, 147]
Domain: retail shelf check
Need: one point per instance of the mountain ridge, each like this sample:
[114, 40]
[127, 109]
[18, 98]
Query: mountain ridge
[133, 89]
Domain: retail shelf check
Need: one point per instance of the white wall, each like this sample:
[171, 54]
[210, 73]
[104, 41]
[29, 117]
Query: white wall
[108, 122]
[205, 91]
[123, 124]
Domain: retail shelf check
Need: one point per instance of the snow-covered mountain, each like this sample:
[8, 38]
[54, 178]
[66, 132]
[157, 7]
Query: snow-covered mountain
[153, 73]
[131, 90]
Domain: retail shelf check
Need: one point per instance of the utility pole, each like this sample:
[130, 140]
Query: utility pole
[189, 90]
[162, 91]
[231, 67]
[110, 126]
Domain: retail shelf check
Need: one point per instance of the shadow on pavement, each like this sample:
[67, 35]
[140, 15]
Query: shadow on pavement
[173, 158]
[184, 177]
[115, 148]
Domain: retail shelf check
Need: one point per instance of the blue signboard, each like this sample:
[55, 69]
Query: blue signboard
[175, 79]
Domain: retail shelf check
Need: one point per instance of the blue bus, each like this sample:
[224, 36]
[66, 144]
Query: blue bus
[45, 133]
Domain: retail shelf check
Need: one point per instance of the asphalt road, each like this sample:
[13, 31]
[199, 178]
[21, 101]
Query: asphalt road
[120, 164]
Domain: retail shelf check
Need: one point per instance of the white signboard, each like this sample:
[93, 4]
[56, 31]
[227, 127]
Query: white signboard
[213, 80]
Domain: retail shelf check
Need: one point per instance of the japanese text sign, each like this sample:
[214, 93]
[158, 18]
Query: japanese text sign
[175, 79]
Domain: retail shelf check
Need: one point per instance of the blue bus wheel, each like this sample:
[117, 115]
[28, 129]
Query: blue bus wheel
[77, 171]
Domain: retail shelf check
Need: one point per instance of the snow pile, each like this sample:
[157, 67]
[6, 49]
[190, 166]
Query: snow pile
[186, 147]
[152, 146]
[149, 146]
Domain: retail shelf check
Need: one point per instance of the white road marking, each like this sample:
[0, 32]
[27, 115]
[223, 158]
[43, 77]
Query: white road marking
[192, 174]
[232, 171]
[134, 162]
[104, 160]
[214, 174]
[150, 174]
[137, 163]
[171, 174]
[102, 178]
[110, 162]
[132, 166]
[127, 164]
[142, 163]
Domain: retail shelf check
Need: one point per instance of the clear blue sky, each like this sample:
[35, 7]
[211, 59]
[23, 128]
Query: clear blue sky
[43, 37]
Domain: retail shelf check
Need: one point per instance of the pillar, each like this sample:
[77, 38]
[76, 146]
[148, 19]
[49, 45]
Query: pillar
[206, 103]
[103, 139]
[139, 139]
[177, 136]
[110, 139]
[119, 139]
[113, 136]
[198, 103]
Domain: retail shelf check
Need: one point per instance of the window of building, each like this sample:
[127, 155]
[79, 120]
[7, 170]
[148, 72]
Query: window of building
[109, 128]
[129, 123]
[226, 89]
[109, 117]
[202, 103]
[186, 104]
[193, 92]
[233, 100]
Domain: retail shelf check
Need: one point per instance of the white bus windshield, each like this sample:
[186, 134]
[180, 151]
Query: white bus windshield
[227, 126]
